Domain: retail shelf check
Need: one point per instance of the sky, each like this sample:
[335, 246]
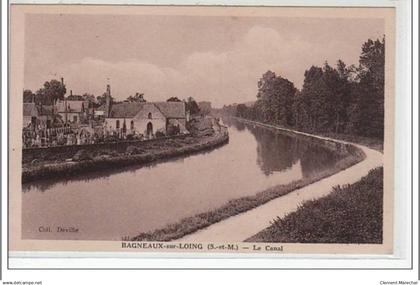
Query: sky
[216, 59]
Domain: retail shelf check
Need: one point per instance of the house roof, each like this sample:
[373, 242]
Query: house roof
[101, 108]
[75, 97]
[131, 109]
[30, 110]
[125, 109]
[172, 109]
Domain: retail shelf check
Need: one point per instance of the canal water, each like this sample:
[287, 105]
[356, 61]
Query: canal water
[124, 202]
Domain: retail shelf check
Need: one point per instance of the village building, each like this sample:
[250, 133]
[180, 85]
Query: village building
[175, 114]
[144, 118]
[72, 111]
[30, 114]
[37, 115]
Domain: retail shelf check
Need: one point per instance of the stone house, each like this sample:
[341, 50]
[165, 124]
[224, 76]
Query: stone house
[41, 116]
[145, 118]
[174, 113]
[72, 111]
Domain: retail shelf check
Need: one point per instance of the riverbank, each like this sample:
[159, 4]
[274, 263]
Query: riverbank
[130, 155]
[351, 155]
[370, 142]
[335, 218]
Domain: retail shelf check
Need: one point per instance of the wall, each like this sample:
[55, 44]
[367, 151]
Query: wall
[157, 119]
[159, 124]
[70, 116]
[60, 153]
[140, 125]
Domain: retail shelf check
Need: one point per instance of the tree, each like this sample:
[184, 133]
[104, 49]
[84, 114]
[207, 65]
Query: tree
[192, 106]
[102, 99]
[372, 62]
[28, 96]
[322, 104]
[229, 110]
[91, 99]
[138, 97]
[241, 111]
[265, 92]
[343, 97]
[334, 93]
[51, 92]
[300, 109]
[173, 99]
[275, 94]
[312, 101]
[367, 110]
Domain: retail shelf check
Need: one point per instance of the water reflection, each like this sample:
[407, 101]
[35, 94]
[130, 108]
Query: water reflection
[279, 150]
[115, 203]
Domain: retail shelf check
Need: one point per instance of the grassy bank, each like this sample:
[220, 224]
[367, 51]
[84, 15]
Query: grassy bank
[237, 206]
[372, 143]
[350, 214]
[153, 153]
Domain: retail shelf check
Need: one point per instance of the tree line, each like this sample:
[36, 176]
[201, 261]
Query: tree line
[339, 99]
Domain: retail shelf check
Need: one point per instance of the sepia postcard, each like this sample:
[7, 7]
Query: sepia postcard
[212, 129]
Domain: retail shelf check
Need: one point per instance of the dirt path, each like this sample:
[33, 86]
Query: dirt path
[242, 226]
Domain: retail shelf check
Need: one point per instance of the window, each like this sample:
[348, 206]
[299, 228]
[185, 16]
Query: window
[117, 124]
[132, 125]
[149, 116]
[74, 119]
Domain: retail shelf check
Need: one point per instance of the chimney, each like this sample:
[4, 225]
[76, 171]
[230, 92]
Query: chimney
[62, 81]
[71, 92]
[108, 100]
[65, 109]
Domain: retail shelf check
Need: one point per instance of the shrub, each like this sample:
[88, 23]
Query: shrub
[82, 155]
[110, 139]
[133, 150]
[103, 152]
[160, 134]
[173, 130]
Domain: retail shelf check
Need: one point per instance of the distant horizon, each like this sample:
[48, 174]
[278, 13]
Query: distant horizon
[215, 59]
